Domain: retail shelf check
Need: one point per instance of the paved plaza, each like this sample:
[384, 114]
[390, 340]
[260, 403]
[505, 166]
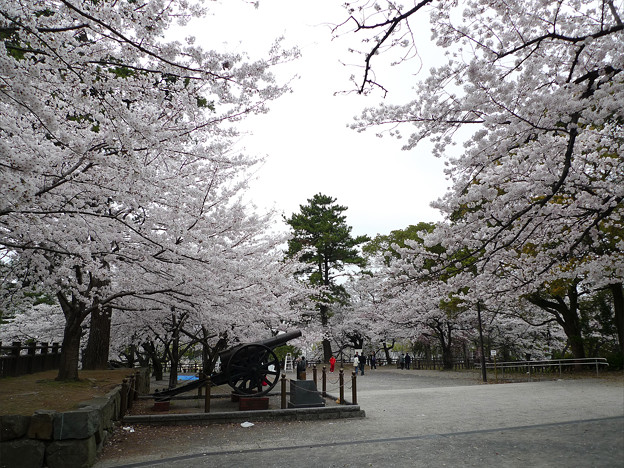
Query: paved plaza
[418, 419]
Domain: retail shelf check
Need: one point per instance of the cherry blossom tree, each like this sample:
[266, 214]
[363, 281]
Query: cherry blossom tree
[41, 323]
[119, 185]
[537, 194]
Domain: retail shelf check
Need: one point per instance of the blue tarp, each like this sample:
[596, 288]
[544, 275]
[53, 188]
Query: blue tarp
[187, 377]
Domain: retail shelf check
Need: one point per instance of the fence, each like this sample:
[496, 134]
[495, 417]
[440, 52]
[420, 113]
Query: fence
[19, 359]
[530, 368]
[416, 363]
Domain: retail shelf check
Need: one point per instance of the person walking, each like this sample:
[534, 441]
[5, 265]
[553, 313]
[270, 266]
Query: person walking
[362, 363]
[332, 363]
[301, 368]
[402, 361]
[356, 363]
[373, 361]
[408, 361]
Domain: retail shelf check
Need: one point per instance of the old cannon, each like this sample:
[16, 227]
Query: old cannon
[251, 369]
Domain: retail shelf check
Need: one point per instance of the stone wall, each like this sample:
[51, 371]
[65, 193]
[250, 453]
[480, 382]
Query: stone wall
[67, 439]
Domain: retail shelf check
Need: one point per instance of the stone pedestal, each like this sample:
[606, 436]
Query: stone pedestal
[303, 394]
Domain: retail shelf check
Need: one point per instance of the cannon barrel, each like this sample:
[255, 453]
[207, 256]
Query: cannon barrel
[281, 339]
[272, 343]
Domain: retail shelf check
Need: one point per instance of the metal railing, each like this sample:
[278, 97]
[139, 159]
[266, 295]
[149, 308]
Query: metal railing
[530, 367]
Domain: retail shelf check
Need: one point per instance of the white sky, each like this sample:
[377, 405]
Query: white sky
[305, 138]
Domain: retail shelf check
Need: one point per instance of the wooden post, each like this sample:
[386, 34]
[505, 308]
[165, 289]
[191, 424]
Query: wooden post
[207, 397]
[15, 353]
[47, 361]
[56, 352]
[314, 378]
[341, 383]
[354, 388]
[130, 391]
[324, 381]
[138, 382]
[30, 366]
[495, 370]
[123, 406]
[283, 405]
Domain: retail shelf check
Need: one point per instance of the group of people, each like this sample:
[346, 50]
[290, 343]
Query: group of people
[359, 362]
[405, 361]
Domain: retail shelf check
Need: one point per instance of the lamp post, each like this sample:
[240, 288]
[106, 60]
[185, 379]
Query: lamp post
[483, 370]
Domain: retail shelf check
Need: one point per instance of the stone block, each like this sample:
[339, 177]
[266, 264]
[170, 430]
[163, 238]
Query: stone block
[74, 453]
[78, 424]
[115, 397]
[106, 408]
[303, 394]
[13, 426]
[41, 425]
[23, 453]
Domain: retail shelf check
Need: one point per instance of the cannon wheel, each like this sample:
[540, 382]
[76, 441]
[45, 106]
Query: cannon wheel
[253, 370]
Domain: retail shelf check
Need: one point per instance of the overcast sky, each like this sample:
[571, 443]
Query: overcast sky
[305, 138]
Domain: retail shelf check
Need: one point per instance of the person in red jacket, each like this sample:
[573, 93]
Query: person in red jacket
[332, 363]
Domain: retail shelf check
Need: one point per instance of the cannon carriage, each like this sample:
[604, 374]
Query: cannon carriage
[251, 369]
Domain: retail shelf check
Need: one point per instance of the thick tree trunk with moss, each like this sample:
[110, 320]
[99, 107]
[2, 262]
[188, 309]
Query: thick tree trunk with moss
[96, 352]
[75, 314]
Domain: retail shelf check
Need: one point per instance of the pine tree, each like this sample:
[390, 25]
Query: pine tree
[322, 239]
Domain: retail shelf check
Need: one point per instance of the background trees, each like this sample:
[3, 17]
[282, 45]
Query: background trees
[121, 194]
[119, 187]
[537, 197]
[322, 240]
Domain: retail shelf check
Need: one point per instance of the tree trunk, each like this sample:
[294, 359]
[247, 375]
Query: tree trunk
[618, 306]
[387, 352]
[175, 362]
[210, 355]
[70, 350]
[447, 358]
[327, 350]
[572, 324]
[96, 352]
[445, 337]
[157, 365]
[131, 355]
[357, 342]
[566, 316]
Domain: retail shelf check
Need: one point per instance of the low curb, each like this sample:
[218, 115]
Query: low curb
[294, 414]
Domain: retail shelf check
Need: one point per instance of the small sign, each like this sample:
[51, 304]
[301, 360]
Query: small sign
[493, 353]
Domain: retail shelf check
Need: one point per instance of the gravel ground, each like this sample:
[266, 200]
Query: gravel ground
[414, 418]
